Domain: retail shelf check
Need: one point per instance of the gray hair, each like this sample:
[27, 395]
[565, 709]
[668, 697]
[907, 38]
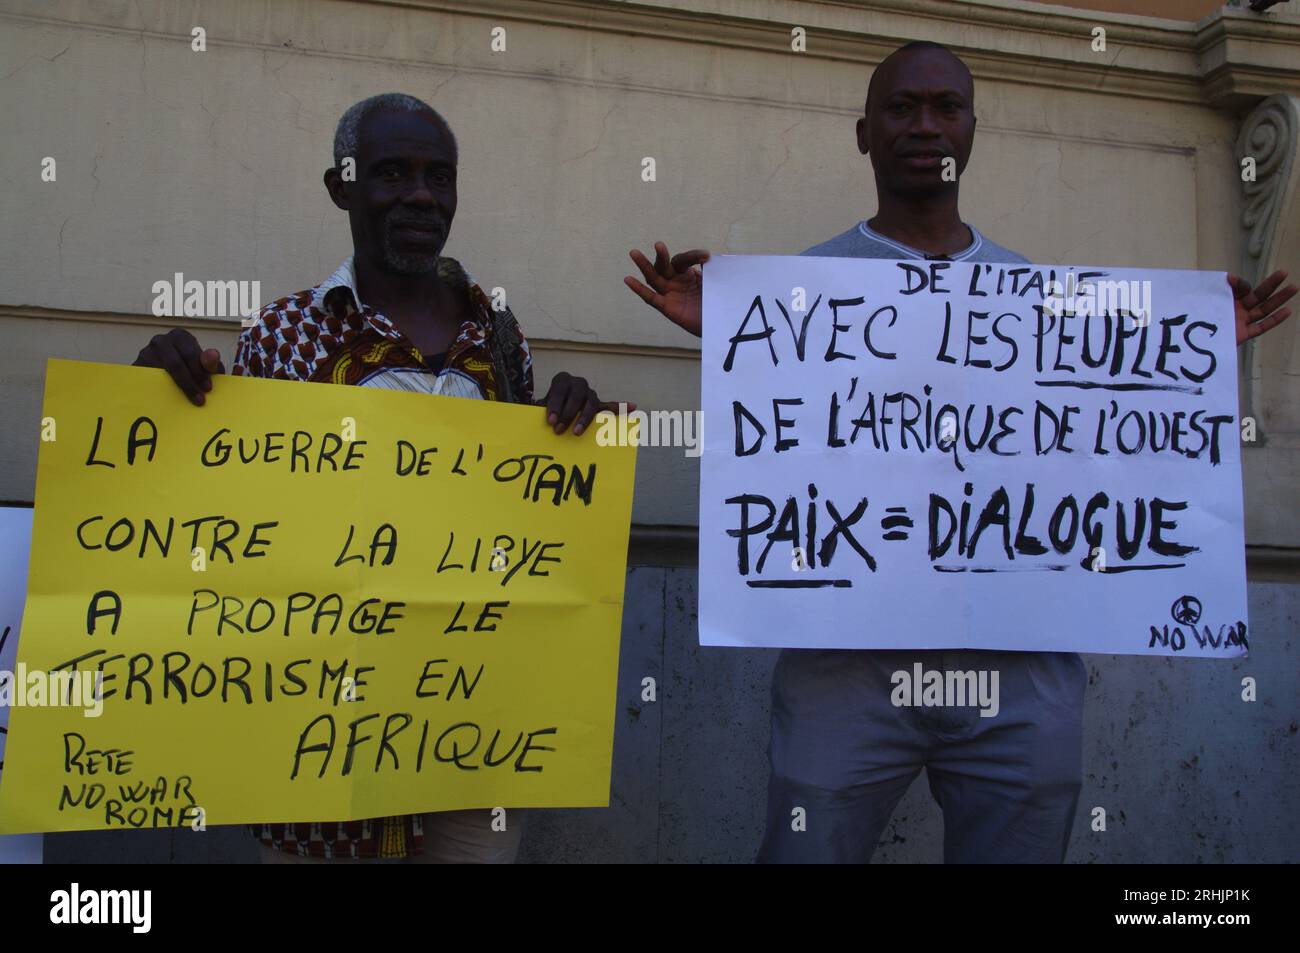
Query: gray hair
[345, 136]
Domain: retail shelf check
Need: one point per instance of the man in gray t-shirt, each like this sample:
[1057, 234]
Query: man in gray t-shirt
[842, 755]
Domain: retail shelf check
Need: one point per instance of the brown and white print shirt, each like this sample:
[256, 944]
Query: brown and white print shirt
[327, 334]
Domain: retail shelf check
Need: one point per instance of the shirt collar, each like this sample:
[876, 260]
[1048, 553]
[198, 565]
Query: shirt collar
[910, 252]
[345, 277]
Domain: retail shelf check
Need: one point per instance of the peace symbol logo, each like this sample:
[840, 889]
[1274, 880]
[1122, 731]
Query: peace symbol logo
[1186, 610]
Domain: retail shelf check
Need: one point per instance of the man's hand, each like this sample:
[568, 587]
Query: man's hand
[1260, 308]
[571, 400]
[676, 285]
[179, 355]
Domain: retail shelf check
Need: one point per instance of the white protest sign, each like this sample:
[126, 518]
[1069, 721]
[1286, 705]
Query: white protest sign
[918, 454]
[15, 544]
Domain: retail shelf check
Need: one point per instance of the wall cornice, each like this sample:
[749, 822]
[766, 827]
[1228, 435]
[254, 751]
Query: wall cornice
[1229, 60]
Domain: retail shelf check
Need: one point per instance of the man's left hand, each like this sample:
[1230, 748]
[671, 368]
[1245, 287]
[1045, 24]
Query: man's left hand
[1260, 308]
[572, 401]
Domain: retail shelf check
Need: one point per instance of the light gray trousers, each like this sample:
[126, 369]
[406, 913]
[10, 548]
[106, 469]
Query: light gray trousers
[843, 752]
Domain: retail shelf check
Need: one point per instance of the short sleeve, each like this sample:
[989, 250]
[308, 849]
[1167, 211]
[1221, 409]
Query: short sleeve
[249, 355]
[262, 350]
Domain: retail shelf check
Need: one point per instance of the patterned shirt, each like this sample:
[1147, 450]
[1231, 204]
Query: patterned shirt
[327, 334]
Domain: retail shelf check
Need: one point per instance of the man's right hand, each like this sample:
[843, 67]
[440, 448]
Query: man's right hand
[179, 354]
[676, 285]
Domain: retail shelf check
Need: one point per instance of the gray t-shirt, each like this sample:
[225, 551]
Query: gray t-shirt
[862, 241]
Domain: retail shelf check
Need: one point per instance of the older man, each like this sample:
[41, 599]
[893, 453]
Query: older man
[396, 314]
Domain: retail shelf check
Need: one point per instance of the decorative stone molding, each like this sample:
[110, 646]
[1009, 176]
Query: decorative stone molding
[1270, 136]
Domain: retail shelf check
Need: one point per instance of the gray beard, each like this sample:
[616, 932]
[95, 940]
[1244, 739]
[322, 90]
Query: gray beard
[407, 264]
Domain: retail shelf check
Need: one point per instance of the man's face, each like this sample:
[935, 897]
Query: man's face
[920, 113]
[402, 203]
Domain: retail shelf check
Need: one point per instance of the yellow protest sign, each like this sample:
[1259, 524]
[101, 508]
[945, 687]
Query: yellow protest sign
[310, 603]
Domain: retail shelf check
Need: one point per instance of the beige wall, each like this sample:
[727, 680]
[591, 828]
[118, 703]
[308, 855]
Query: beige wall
[209, 163]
